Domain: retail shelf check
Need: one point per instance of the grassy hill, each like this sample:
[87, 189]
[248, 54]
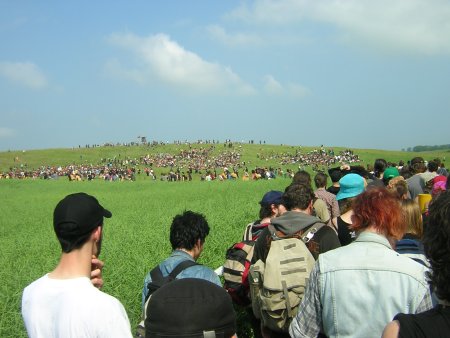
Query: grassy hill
[254, 155]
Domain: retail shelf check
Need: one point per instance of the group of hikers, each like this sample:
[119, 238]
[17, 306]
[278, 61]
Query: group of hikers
[367, 256]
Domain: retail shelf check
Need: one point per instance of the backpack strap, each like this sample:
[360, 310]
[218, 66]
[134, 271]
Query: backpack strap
[180, 267]
[157, 276]
[248, 232]
[309, 232]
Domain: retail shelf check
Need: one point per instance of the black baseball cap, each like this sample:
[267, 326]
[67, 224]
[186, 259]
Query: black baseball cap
[190, 307]
[78, 214]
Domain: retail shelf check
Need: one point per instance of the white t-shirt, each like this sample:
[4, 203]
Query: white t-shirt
[72, 308]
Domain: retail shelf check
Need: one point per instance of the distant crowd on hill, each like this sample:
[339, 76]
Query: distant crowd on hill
[318, 159]
[204, 163]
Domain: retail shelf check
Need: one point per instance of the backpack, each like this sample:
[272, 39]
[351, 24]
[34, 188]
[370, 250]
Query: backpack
[235, 271]
[277, 286]
[253, 230]
[157, 281]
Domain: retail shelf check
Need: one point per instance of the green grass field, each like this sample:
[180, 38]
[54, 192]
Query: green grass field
[137, 236]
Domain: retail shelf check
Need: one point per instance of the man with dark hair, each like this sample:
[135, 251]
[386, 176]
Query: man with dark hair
[298, 200]
[296, 221]
[416, 183]
[429, 175]
[187, 237]
[320, 181]
[319, 206]
[65, 303]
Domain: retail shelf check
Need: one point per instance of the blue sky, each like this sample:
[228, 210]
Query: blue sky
[353, 73]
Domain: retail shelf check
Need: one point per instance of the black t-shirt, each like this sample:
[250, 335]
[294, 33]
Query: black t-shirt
[434, 323]
[334, 190]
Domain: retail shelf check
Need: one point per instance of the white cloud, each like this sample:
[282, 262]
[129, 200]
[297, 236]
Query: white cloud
[6, 132]
[238, 39]
[274, 87]
[271, 85]
[421, 26]
[161, 58]
[23, 73]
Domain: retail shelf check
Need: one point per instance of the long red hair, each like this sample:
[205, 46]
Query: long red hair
[379, 208]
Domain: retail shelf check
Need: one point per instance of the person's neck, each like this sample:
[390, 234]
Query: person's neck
[304, 211]
[189, 252]
[265, 220]
[76, 263]
[374, 230]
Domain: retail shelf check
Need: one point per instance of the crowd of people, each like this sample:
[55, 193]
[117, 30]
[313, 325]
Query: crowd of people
[317, 159]
[207, 162]
[314, 269]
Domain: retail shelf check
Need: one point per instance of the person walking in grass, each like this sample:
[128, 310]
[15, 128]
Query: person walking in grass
[187, 237]
[66, 301]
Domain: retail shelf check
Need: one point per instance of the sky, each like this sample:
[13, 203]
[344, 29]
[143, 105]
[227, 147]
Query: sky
[350, 73]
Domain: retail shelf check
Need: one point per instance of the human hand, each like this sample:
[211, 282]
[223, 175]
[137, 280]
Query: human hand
[96, 272]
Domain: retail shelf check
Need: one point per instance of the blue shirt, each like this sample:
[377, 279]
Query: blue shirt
[196, 271]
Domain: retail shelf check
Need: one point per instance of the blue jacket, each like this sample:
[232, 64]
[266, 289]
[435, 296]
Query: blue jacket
[365, 284]
[196, 271]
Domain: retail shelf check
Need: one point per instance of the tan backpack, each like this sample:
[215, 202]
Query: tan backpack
[277, 286]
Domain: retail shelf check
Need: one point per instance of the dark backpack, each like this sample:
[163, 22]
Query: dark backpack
[159, 280]
[235, 271]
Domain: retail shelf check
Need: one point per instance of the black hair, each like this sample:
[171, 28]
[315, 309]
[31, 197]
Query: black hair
[417, 165]
[265, 211]
[320, 180]
[68, 244]
[405, 171]
[432, 166]
[437, 245]
[187, 229]
[379, 167]
[302, 177]
[335, 175]
[297, 196]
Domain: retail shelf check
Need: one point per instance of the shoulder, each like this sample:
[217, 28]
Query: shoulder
[202, 272]
[327, 233]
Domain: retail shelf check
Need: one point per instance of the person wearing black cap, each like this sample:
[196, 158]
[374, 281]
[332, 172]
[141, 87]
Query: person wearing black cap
[190, 307]
[64, 302]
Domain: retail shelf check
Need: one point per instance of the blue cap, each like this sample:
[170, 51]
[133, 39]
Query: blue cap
[351, 185]
[271, 197]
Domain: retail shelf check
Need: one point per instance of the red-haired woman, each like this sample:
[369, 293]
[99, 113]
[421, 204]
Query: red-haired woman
[355, 290]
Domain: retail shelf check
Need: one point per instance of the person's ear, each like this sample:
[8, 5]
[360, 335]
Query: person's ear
[97, 234]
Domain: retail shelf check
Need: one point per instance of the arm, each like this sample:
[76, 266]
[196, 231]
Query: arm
[335, 208]
[391, 330]
[308, 321]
